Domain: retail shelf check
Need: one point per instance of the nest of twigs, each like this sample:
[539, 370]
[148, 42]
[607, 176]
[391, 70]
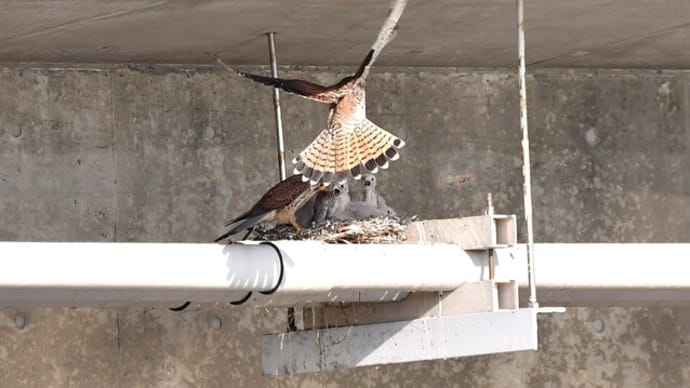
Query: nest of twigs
[381, 230]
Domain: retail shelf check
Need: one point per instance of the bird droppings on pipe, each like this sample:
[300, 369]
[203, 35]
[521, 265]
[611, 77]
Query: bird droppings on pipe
[20, 321]
[591, 137]
[214, 322]
[16, 130]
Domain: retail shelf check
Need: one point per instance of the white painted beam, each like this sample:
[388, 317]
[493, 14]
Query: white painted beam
[402, 341]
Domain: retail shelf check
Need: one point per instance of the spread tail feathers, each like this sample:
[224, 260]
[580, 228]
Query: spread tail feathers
[334, 155]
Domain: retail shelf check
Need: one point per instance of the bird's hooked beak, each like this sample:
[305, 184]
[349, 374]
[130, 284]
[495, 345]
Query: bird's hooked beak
[318, 187]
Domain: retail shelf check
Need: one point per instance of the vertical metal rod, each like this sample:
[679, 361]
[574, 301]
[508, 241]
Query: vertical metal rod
[527, 186]
[280, 142]
[492, 259]
[276, 103]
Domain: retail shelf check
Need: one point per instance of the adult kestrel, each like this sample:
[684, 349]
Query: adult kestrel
[279, 205]
[351, 144]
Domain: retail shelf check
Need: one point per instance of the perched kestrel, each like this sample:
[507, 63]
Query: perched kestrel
[350, 144]
[280, 205]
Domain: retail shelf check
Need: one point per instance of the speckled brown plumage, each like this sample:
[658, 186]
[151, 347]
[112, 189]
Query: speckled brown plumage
[350, 144]
[279, 204]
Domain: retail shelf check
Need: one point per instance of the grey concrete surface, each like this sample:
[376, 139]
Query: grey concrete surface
[560, 33]
[149, 153]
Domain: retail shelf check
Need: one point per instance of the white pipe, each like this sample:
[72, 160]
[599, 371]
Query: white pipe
[304, 299]
[113, 273]
[608, 265]
[104, 274]
[108, 298]
[607, 274]
[88, 273]
[131, 266]
[316, 267]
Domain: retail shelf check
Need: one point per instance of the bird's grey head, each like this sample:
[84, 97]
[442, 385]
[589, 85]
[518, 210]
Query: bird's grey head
[368, 181]
[340, 188]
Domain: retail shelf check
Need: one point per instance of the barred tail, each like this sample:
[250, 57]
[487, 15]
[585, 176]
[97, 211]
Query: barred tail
[335, 154]
[240, 225]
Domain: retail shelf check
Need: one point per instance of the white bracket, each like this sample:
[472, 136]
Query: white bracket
[470, 233]
[478, 317]
[403, 341]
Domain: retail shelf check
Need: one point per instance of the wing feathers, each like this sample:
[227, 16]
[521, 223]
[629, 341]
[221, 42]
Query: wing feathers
[277, 197]
[356, 144]
[306, 89]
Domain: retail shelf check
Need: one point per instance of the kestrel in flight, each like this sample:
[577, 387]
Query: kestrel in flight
[351, 144]
[279, 205]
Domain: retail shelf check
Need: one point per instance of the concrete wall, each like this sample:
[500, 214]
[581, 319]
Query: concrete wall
[169, 154]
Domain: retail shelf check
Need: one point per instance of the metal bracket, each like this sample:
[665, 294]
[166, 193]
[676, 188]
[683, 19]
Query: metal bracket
[470, 233]
[402, 341]
[478, 317]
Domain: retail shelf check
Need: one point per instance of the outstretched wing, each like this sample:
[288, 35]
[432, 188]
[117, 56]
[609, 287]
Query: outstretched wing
[386, 34]
[306, 89]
